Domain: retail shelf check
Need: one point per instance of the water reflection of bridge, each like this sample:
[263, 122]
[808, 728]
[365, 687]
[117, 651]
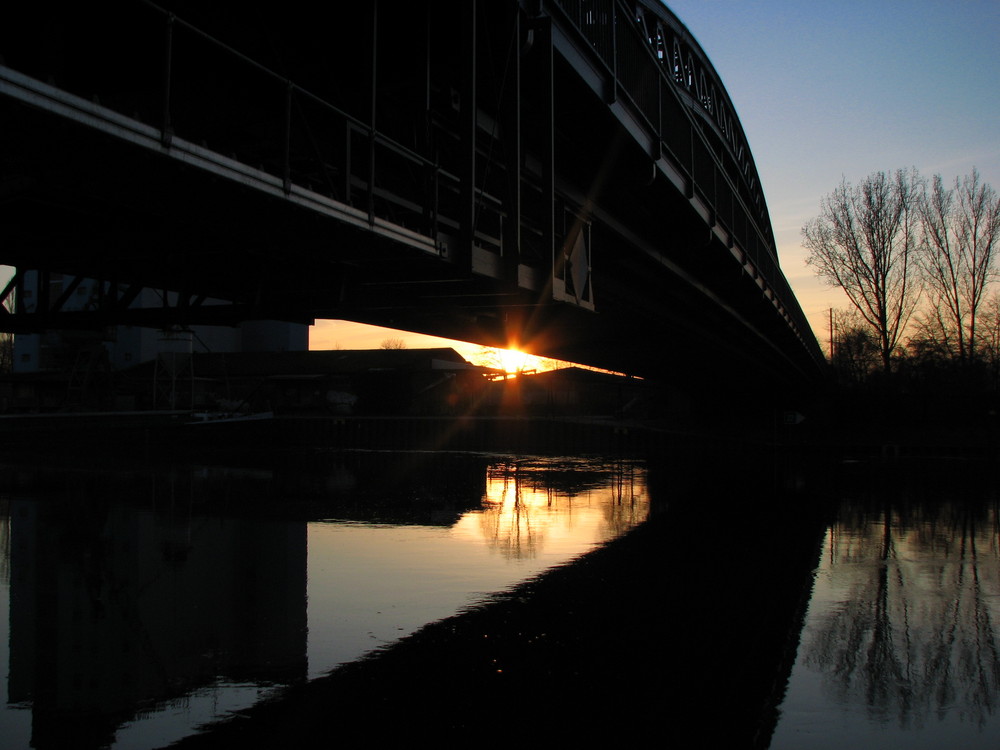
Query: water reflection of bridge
[568, 175]
[122, 605]
[132, 592]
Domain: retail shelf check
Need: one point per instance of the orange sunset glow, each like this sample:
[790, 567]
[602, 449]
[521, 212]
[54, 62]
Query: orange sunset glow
[341, 334]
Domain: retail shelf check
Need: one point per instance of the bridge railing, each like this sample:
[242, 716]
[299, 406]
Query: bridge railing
[657, 67]
[305, 140]
[168, 73]
[644, 76]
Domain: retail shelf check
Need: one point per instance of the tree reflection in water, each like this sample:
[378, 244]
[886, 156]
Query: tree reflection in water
[904, 614]
[527, 502]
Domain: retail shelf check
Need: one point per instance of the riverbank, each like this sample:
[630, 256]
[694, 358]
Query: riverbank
[865, 429]
[139, 435]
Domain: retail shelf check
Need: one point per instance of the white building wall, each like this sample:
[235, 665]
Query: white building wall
[131, 345]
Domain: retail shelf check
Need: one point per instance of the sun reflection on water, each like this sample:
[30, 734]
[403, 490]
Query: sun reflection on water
[526, 508]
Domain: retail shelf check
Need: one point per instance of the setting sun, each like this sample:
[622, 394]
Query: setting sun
[512, 360]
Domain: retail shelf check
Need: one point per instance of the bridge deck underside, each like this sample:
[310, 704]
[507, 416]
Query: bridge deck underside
[667, 294]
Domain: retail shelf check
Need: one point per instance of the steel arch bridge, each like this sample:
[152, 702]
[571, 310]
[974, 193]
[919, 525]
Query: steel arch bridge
[569, 176]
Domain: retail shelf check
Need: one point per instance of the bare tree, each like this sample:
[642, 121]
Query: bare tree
[933, 338]
[855, 351]
[960, 229]
[865, 241]
[989, 334]
[392, 343]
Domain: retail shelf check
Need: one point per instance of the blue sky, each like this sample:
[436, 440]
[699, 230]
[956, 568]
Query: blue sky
[837, 90]
[834, 90]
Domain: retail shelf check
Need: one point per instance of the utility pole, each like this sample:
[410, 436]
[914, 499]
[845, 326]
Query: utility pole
[831, 334]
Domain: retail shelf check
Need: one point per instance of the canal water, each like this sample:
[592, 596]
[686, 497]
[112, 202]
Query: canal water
[139, 604]
[856, 604]
[901, 642]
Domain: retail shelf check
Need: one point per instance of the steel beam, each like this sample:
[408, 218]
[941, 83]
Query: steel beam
[546, 127]
[511, 134]
[467, 144]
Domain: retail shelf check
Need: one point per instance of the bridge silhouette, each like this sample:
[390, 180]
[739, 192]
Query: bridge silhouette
[567, 176]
